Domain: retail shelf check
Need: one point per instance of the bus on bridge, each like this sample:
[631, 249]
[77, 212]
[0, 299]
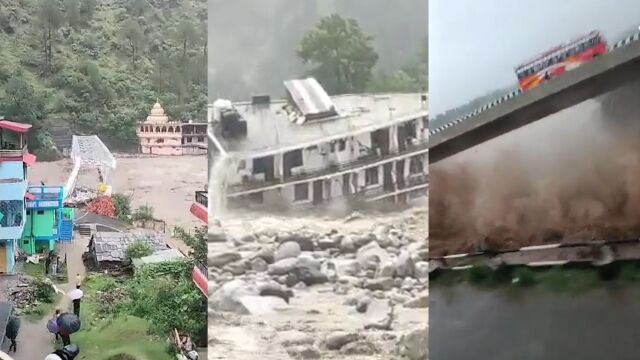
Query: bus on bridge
[560, 59]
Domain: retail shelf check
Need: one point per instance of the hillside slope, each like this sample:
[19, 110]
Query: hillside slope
[89, 66]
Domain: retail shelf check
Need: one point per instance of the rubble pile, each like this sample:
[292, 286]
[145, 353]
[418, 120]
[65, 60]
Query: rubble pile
[103, 205]
[81, 196]
[372, 283]
[23, 296]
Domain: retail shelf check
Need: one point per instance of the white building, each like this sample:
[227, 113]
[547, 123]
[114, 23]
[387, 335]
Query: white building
[312, 148]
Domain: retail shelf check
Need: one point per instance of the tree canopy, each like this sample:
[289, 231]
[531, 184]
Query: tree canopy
[344, 60]
[92, 68]
[341, 53]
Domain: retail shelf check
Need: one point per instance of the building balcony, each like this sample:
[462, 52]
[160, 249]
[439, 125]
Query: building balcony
[202, 198]
[334, 169]
[12, 151]
[45, 197]
[199, 208]
[200, 276]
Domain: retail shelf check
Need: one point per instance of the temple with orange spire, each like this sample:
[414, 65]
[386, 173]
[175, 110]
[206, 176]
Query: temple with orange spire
[161, 135]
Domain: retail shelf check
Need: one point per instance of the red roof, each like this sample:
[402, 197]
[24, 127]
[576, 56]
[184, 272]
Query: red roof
[14, 126]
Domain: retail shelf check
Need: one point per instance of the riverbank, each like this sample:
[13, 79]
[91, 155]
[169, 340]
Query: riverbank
[565, 278]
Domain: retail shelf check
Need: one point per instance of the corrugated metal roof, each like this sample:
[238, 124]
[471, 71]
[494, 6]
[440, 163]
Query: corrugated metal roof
[310, 99]
[112, 246]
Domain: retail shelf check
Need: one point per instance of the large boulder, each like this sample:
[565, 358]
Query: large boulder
[414, 345]
[338, 339]
[305, 240]
[289, 249]
[371, 255]
[221, 259]
[405, 266]
[228, 296]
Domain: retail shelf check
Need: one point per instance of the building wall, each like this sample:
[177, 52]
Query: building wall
[12, 170]
[44, 222]
[333, 153]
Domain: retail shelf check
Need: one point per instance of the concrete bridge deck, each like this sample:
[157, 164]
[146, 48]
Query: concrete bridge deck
[517, 109]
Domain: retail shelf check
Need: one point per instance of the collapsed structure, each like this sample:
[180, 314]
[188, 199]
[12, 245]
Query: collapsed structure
[312, 148]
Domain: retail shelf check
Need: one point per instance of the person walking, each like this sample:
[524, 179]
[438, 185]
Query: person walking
[13, 327]
[47, 264]
[76, 301]
[52, 325]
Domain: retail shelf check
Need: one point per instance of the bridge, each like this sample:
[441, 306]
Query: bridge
[89, 151]
[516, 109]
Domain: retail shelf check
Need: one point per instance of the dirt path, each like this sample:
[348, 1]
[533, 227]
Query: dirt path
[35, 342]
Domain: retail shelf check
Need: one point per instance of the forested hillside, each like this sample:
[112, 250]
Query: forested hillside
[97, 66]
[255, 45]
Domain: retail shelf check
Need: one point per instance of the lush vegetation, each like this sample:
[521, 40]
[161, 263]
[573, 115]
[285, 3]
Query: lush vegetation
[197, 241]
[123, 207]
[163, 295]
[139, 249]
[98, 66]
[343, 59]
[45, 298]
[143, 213]
[556, 279]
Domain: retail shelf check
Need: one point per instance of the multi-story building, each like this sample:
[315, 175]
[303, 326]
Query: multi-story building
[311, 148]
[14, 160]
[160, 135]
[47, 221]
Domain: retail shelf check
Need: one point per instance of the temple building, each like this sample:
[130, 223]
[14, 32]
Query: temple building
[161, 135]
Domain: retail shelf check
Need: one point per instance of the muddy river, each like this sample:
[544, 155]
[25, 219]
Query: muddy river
[471, 323]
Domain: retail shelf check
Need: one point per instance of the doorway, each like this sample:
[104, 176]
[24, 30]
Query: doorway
[317, 192]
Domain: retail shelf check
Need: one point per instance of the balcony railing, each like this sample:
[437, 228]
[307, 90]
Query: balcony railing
[202, 198]
[326, 170]
[203, 269]
[8, 152]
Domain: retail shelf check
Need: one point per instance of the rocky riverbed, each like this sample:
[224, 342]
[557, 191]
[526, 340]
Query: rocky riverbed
[319, 288]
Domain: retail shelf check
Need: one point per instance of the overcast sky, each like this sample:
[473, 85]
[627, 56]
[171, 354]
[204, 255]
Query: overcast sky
[475, 45]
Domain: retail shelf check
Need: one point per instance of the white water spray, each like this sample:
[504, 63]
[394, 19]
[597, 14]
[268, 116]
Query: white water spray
[218, 177]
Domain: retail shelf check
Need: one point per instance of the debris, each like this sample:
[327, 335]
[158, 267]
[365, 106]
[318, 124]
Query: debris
[103, 205]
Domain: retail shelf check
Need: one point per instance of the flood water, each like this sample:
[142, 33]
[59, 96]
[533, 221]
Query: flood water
[467, 323]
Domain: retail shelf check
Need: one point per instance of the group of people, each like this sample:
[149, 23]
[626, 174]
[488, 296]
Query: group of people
[52, 324]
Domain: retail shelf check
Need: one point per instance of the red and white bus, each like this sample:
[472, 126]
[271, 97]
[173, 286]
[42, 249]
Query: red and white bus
[560, 59]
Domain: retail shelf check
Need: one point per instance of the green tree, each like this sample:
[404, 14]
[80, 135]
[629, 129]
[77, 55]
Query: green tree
[133, 35]
[143, 213]
[196, 241]
[87, 9]
[341, 53]
[22, 102]
[72, 8]
[186, 35]
[50, 19]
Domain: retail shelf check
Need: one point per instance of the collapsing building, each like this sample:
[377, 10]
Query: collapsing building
[313, 148]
